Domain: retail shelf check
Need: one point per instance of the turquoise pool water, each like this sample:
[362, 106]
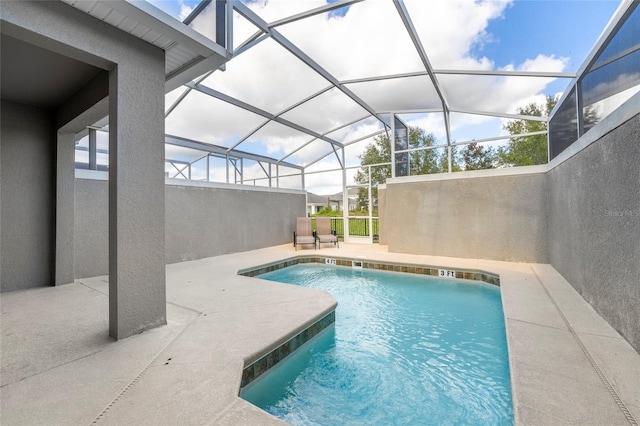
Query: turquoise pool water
[406, 350]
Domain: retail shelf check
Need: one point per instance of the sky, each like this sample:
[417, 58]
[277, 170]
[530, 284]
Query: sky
[369, 39]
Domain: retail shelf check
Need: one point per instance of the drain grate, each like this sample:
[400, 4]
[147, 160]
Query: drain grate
[632, 421]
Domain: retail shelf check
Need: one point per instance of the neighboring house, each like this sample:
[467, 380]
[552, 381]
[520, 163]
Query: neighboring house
[353, 198]
[315, 202]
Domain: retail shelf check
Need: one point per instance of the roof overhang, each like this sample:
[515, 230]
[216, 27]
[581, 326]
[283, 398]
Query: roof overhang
[188, 54]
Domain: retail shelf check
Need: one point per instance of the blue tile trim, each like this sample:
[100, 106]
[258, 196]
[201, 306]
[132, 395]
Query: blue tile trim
[262, 365]
[474, 275]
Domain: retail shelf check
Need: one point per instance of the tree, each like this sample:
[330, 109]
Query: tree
[443, 163]
[379, 151]
[424, 161]
[477, 157]
[527, 150]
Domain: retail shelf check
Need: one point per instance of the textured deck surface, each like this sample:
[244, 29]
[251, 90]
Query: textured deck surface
[59, 366]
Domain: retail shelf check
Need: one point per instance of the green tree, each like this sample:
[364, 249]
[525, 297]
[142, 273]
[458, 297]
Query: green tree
[424, 161]
[527, 150]
[379, 151]
[477, 157]
[443, 161]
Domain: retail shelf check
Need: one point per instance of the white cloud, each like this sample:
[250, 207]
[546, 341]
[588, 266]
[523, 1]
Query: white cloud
[369, 40]
[184, 11]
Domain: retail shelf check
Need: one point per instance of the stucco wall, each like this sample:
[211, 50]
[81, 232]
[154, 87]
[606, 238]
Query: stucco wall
[201, 222]
[27, 177]
[91, 228]
[382, 205]
[499, 214]
[594, 225]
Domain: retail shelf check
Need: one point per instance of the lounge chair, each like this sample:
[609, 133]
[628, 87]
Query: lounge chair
[303, 233]
[324, 232]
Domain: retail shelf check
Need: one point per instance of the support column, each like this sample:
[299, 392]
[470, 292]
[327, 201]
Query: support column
[137, 295]
[65, 212]
[93, 150]
[345, 201]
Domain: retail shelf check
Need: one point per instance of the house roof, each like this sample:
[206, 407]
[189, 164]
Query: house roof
[189, 53]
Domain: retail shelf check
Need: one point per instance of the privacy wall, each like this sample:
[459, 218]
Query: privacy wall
[209, 221]
[489, 214]
[594, 225]
[202, 220]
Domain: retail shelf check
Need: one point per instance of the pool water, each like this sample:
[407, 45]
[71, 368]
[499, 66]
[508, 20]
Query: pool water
[406, 349]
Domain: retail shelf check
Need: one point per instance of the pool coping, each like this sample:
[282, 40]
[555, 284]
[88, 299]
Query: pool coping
[363, 263]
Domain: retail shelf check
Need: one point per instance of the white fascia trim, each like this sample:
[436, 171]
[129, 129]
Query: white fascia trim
[157, 20]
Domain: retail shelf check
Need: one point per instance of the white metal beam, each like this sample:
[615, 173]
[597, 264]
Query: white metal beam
[318, 10]
[322, 157]
[284, 111]
[492, 139]
[370, 135]
[298, 53]
[500, 73]
[496, 73]
[296, 150]
[184, 95]
[406, 20]
[257, 38]
[223, 151]
[248, 135]
[236, 102]
[324, 134]
[196, 11]
[502, 115]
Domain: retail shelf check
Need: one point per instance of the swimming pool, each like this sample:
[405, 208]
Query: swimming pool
[406, 349]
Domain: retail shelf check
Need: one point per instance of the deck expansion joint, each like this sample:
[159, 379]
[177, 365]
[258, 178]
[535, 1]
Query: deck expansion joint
[140, 374]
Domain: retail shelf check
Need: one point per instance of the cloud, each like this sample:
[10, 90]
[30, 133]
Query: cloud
[368, 40]
[178, 10]
[185, 11]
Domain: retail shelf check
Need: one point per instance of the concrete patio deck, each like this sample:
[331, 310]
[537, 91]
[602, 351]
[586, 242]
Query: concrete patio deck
[59, 366]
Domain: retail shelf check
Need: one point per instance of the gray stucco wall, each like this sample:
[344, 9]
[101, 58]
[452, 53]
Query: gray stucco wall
[382, 205]
[91, 228]
[594, 226]
[27, 177]
[200, 222]
[501, 217]
[203, 222]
